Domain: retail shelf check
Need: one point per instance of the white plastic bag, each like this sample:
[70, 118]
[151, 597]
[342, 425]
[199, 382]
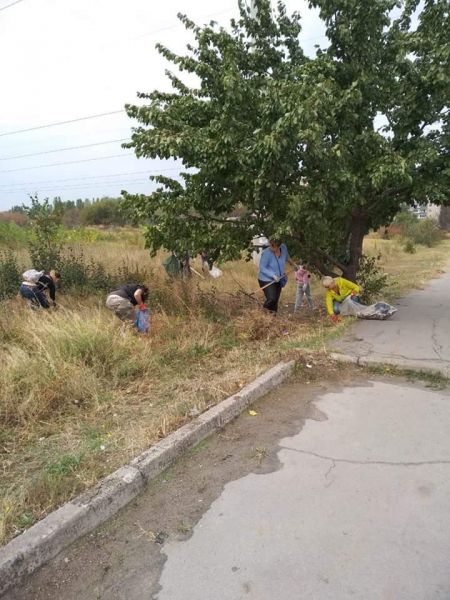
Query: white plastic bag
[215, 272]
[32, 276]
[377, 312]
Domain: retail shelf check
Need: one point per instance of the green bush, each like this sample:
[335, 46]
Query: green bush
[409, 246]
[12, 236]
[81, 276]
[418, 231]
[406, 222]
[371, 278]
[44, 245]
[425, 232]
[106, 211]
[10, 276]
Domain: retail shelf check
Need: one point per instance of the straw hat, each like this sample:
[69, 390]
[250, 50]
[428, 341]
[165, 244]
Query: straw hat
[327, 282]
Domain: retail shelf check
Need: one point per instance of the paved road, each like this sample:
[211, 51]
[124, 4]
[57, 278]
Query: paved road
[358, 510]
[337, 492]
[417, 336]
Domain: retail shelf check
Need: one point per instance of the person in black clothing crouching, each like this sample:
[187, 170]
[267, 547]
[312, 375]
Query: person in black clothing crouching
[124, 300]
[34, 290]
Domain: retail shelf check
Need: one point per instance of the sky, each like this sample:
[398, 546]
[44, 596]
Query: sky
[67, 59]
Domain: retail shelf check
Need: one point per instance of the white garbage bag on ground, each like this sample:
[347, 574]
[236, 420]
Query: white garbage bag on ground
[215, 272]
[378, 311]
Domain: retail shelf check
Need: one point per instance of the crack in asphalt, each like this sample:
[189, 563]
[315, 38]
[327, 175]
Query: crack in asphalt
[332, 466]
[437, 347]
[365, 462]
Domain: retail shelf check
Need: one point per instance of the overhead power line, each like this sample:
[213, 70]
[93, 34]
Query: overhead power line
[65, 149]
[103, 184]
[69, 162]
[109, 184]
[9, 5]
[56, 181]
[180, 24]
[105, 114]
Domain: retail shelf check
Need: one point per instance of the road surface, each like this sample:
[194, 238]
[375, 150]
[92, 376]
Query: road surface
[338, 492]
[417, 336]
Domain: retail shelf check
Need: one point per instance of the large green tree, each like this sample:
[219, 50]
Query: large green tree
[316, 150]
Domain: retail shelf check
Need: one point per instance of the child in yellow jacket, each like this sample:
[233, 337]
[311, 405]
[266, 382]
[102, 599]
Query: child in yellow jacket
[338, 289]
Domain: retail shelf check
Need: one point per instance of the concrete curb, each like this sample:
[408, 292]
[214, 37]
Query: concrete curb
[46, 539]
[399, 363]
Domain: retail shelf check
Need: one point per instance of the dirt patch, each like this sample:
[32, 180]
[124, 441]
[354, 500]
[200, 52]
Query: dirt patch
[123, 560]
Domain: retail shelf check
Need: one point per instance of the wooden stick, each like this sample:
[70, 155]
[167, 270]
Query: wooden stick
[196, 272]
[266, 286]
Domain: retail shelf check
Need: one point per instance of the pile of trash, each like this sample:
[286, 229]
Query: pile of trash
[377, 312]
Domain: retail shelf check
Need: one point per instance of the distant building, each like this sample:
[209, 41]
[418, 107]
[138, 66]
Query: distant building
[259, 243]
[426, 211]
[433, 211]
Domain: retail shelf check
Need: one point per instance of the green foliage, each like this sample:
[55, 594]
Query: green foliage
[81, 276]
[9, 275]
[65, 465]
[291, 140]
[425, 232]
[106, 211]
[418, 231]
[409, 246]
[405, 221]
[78, 275]
[44, 245]
[371, 278]
[12, 235]
[84, 277]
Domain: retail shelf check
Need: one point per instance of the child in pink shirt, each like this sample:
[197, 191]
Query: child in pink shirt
[302, 278]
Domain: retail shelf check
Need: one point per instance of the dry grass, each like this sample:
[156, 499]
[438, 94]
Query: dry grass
[408, 271]
[80, 395]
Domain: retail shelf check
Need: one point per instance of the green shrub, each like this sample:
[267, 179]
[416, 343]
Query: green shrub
[9, 275]
[82, 276]
[406, 222]
[44, 245]
[418, 231]
[371, 278]
[425, 232]
[12, 236]
[409, 246]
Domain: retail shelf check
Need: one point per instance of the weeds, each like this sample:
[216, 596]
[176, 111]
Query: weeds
[80, 396]
[9, 275]
[12, 235]
[371, 277]
[429, 379]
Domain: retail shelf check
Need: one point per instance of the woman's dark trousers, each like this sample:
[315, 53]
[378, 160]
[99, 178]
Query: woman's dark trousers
[35, 297]
[272, 294]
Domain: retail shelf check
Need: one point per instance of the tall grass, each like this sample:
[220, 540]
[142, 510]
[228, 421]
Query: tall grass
[12, 235]
[80, 394]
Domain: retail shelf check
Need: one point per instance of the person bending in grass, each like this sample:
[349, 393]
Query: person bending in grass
[34, 286]
[338, 289]
[124, 301]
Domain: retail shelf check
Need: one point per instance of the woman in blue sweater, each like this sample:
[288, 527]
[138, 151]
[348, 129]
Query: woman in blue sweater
[272, 271]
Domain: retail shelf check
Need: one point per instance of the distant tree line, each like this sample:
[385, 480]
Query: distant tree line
[75, 213]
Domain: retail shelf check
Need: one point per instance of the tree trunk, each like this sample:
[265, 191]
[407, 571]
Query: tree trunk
[357, 232]
[444, 217]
